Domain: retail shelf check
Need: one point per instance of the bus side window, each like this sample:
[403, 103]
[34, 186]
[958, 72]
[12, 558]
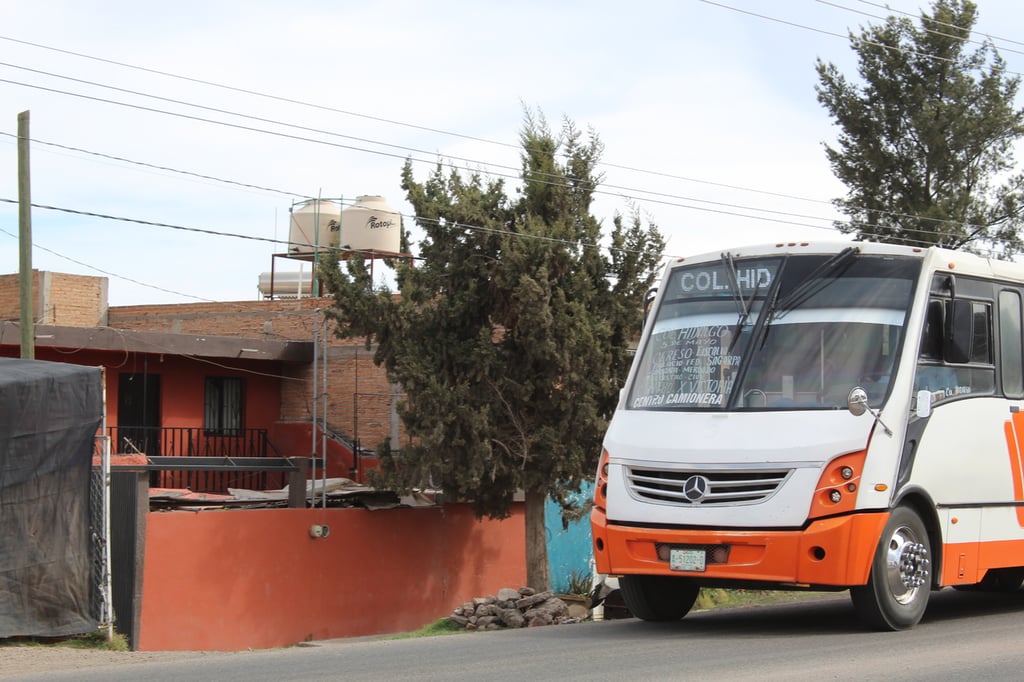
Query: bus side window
[1011, 346]
[968, 342]
[932, 375]
[981, 348]
[931, 340]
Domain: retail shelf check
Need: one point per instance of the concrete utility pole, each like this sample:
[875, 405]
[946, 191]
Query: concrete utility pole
[28, 335]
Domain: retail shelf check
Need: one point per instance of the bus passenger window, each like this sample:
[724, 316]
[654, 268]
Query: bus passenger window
[980, 346]
[931, 340]
[948, 380]
[1011, 346]
[940, 380]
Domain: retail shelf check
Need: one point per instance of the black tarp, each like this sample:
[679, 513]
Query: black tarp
[49, 414]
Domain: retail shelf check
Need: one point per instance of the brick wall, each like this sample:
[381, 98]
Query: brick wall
[59, 299]
[9, 298]
[73, 300]
[359, 398]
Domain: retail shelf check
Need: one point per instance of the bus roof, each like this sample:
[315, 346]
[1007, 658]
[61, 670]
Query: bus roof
[937, 258]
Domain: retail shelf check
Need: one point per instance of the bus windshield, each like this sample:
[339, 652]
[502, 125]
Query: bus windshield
[774, 333]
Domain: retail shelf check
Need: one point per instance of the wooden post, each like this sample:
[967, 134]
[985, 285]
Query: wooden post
[28, 335]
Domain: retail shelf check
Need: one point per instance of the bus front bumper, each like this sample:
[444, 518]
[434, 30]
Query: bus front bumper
[829, 552]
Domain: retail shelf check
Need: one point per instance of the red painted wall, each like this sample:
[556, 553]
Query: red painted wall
[182, 384]
[296, 439]
[240, 579]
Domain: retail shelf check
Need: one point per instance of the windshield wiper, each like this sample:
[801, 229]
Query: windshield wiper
[744, 307]
[810, 284]
[768, 309]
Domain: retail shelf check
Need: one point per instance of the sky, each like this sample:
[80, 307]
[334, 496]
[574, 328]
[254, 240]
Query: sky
[172, 139]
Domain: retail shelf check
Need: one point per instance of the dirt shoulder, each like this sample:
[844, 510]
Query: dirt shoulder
[22, 660]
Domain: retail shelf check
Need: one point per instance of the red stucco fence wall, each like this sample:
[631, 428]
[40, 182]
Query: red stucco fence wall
[228, 580]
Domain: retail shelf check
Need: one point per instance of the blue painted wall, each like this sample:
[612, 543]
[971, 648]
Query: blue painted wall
[569, 549]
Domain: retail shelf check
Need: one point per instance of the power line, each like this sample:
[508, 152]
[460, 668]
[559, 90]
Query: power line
[436, 130]
[895, 238]
[338, 249]
[251, 117]
[604, 164]
[940, 23]
[651, 198]
[442, 223]
[661, 198]
[840, 35]
[513, 171]
[162, 168]
[110, 274]
[625, 193]
[926, 30]
[197, 230]
[256, 93]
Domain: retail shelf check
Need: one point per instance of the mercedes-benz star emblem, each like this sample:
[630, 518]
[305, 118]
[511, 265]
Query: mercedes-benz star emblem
[695, 488]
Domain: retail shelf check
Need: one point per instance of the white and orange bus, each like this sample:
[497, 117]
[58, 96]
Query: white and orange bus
[821, 417]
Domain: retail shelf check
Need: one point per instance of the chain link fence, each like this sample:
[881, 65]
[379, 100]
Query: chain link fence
[100, 603]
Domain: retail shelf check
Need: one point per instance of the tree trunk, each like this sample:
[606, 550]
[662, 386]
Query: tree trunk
[536, 541]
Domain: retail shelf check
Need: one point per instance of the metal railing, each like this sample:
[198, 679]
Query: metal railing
[175, 441]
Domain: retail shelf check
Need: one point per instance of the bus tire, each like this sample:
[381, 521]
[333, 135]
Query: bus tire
[658, 597]
[897, 592]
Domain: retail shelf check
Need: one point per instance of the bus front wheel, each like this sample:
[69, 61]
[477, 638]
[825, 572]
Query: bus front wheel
[900, 581]
[658, 597]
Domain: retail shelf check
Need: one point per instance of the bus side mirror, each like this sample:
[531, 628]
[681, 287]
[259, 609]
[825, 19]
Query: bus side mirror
[857, 401]
[959, 332]
[857, 404]
[649, 300]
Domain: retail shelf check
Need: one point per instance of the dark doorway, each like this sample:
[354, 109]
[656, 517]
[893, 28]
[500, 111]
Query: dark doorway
[138, 414]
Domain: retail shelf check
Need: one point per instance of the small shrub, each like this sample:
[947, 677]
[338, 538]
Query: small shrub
[581, 583]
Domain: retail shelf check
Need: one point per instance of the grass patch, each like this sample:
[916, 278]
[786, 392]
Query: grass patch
[441, 626]
[710, 598]
[91, 640]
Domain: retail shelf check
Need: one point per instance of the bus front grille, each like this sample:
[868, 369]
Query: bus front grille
[690, 488]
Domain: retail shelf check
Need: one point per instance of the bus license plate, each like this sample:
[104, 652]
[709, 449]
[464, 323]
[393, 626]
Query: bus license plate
[686, 559]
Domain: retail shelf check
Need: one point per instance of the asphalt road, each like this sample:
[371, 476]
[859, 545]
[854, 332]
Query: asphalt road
[963, 636]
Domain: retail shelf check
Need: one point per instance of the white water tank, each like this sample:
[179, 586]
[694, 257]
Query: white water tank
[314, 224]
[286, 284]
[370, 225]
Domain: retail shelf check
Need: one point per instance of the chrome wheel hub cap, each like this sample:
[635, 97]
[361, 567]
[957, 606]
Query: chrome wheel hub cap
[908, 567]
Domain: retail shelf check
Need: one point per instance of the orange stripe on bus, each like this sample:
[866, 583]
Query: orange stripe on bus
[965, 563]
[1014, 429]
[834, 551]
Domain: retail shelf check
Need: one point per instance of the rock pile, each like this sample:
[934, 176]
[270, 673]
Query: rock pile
[513, 608]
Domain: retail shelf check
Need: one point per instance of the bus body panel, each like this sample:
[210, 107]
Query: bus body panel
[964, 463]
[962, 457]
[774, 442]
[832, 552]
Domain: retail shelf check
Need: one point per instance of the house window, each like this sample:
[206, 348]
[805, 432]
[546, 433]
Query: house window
[223, 406]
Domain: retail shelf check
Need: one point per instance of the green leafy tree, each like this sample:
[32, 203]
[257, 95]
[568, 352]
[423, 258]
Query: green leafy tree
[509, 333]
[927, 135]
